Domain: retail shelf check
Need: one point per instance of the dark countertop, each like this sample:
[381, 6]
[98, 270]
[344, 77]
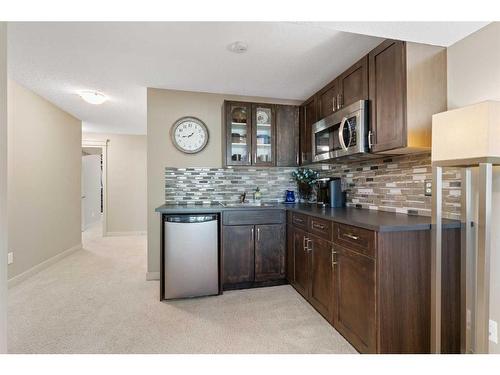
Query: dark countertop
[369, 219]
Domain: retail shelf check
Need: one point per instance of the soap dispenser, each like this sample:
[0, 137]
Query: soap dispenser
[257, 195]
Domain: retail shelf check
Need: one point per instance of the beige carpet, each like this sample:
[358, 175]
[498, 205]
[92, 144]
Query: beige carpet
[98, 301]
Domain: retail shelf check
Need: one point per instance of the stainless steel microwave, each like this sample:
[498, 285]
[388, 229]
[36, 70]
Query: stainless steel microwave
[343, 133]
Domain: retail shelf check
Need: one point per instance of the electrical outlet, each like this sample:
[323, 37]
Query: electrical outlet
[493, 331]
[10, 258]
[428, 188]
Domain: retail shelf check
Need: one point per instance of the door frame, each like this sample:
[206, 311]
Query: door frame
[103, 145]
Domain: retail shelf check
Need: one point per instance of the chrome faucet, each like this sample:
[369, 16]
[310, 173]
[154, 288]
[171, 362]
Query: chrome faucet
[243, 197]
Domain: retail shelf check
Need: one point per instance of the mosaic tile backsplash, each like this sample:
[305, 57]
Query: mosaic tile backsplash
[394, 184]
[207, 185]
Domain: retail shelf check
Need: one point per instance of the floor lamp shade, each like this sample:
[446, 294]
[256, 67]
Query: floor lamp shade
[471, 132]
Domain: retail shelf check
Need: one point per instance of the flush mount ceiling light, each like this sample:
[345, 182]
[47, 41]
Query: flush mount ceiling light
[92, 97]
[237, 47]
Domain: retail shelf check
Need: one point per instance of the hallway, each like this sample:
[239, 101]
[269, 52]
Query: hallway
[98, 301]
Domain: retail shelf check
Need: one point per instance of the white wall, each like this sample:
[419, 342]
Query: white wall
[126, 182]
[164, 108]
[91, 189]
[474, 76]
[44, 172]
[3, 187]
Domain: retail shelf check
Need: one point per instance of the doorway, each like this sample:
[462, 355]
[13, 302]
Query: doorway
[92, 189]
[93, 185]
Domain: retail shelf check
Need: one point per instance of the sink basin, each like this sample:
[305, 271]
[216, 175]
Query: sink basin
[248, 204]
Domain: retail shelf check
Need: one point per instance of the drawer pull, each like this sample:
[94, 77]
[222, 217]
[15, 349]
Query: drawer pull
[318, 226]
[298, 220]
[351, 236]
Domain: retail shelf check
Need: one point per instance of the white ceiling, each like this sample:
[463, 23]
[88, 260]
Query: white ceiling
[284, 60]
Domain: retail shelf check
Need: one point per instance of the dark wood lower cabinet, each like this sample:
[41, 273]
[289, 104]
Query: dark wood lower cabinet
[312, 273]
[238, 258]
[374, 288]
[253, 248]
[269, 252]
[301, 262]
[321, 282]
[355, 299]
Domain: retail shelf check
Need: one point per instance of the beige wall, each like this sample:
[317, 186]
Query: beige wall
[474, 76]
[3, 187]
[164, 108]
[126, 182]
[44, 208]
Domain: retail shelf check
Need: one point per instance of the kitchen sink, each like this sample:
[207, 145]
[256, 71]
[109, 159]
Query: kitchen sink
[249, 204]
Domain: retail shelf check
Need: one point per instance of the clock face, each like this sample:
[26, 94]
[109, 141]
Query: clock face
[189, 135]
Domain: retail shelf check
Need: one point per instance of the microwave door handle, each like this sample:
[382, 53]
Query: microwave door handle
[341, 132]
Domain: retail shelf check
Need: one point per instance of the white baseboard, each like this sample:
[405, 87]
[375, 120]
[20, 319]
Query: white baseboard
[120, 234]
[39, 267]
[152, 276]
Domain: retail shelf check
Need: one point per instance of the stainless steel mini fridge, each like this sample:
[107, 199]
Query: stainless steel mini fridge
[191, 256]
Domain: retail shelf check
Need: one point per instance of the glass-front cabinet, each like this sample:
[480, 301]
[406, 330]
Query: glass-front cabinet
[250, 134]
[239, 133]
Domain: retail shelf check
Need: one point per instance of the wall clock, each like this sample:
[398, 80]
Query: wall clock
[189, 135]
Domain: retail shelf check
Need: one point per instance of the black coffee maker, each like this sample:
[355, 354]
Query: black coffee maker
[329, 192]
[323, 192]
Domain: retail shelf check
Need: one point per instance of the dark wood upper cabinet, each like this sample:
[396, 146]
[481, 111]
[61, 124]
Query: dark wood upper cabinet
[388, 95]
[263, 135]
[238, 133]
[287, 135]
[321, 283]
[328, 99]
[407, 85]
[238, 250]
[260, 134]
[353, 83]
[269, 252]
[349, 87]
[355, 299]
[308, 116]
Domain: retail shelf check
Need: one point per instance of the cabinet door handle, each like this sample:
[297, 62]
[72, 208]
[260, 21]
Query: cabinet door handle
[305, 243]
[334, 104]
[258, 234]
[309, 249]
[334, 262]
[370, 140]
[351, 236]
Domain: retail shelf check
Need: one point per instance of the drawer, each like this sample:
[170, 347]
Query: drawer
[299, 220]
[355, 238]
[249, 217]
[320, 227]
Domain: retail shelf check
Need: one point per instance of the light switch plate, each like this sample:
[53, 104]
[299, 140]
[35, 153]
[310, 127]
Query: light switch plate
[493, 331]
[10, 258]
[428, 188]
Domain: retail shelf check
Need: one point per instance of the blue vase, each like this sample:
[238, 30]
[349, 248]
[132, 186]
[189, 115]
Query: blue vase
[290, 196]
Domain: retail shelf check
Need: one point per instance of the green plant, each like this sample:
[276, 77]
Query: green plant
[305, 176]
